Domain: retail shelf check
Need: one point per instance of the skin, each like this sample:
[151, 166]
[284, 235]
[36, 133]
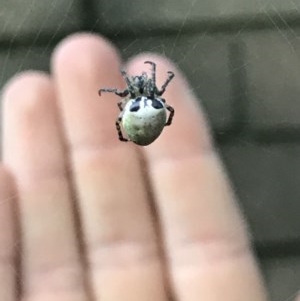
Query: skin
[85, 217]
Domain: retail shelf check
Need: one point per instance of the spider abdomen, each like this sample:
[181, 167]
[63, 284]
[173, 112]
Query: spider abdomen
[143, 119]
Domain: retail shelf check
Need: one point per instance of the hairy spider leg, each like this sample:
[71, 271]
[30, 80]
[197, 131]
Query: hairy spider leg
[118, 127]
[172, 112]
[164, 86]
[113, 90]
[120, 106]
[153, 88]
[129, 84]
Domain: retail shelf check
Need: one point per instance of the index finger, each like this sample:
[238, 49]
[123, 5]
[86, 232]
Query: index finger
[206, 240]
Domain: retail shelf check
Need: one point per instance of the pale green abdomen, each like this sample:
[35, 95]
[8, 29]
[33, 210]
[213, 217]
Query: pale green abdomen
[144, 130]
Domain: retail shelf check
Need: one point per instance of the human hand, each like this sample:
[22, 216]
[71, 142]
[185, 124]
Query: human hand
[99, 219]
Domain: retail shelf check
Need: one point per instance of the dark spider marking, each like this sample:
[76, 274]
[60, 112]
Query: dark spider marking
[136, 105]
[156, 104]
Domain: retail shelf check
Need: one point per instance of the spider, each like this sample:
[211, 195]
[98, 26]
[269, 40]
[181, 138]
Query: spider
[143, 111]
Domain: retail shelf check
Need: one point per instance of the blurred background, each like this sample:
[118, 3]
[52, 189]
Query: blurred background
[242, 59]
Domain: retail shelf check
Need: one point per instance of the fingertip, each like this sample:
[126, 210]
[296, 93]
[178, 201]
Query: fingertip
[81, 64]
[26, 98]
[82, 39]
[77, 52]
[26, 89]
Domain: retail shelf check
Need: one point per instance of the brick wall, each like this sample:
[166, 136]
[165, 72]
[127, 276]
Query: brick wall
[243, 61]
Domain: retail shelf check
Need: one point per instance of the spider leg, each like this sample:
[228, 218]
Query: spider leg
[118, 127]
[172, 112]
[116, 91]
[129, 83]
[153, 71]
[153, 88]
[164, 86]
[120, 105]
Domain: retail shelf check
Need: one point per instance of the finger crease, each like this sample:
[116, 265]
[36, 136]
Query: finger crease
[121, 254]
[63, 277]
[208, 252]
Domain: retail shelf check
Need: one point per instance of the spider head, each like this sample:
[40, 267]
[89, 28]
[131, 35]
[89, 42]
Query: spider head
[141, 84]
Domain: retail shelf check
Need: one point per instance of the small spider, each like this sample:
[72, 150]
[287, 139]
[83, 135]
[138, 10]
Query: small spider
[143, 111]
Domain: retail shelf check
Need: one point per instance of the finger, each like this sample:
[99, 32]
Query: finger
[33, 151]
[8, 238]
[119, 232]
[206, 240]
